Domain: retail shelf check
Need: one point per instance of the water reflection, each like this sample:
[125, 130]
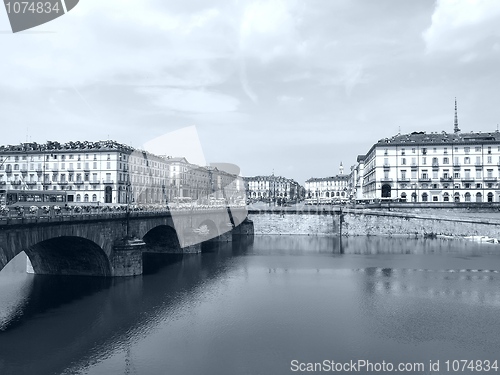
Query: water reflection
[260, 304]
[75, 317]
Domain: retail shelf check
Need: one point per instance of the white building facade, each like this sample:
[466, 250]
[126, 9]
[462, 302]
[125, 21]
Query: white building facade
[110, 172]
[327, 190]
[435, 167]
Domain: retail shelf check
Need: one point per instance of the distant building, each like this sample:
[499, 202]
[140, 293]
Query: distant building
[272, 188]
[435, 167]
[110, 172]
[326, 190]
[432, 167]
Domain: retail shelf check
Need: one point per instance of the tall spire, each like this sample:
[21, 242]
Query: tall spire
[341, 169]
[456, 129]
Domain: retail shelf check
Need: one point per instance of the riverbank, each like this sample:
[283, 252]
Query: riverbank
[369, 222]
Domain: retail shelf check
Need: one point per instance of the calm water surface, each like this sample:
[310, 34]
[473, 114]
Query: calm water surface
[252, 308]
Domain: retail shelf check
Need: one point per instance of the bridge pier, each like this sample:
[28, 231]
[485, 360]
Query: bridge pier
[224, 237]
[244, 229]
[192, 249]
[126, 257]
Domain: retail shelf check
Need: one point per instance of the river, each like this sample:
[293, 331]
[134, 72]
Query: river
[267, 306]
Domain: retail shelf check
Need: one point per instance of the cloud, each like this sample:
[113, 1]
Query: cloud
[192, 101]
[183, 142]
[268, 29]
[458, 25]
[94, 44]
[285, 99]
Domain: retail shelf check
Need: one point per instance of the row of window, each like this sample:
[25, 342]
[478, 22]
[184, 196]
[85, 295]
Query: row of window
[447, 186]
[468, 197]
[55, 166]
[327, 194]
[54, 156]
[435, 161]
[466, 150]
[446, 174]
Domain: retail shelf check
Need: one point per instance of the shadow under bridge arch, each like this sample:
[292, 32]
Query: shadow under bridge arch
[69, 255]
[162, 239]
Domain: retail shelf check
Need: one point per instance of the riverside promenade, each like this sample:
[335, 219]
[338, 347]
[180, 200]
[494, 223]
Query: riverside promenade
[357, 221]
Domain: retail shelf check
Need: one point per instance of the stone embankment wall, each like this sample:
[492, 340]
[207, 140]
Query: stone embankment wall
[370, 222]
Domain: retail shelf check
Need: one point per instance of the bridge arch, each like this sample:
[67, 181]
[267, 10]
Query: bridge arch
[211, 227]
[69, 255]
[162, 238]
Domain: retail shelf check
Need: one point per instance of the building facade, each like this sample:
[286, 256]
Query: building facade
[110, 172]
[327, 190]
[272, 188]
[435, 167]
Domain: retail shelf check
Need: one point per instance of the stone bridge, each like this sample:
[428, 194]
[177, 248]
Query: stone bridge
[111, 244]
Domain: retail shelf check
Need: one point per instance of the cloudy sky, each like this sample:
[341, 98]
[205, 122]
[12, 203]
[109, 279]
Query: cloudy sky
[294, 86]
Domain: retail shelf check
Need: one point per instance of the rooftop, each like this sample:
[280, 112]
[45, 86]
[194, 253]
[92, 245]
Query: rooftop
[331, 178]
[442, 138]
[55, 146]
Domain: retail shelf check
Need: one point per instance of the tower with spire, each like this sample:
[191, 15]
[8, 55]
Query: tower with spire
[456, 128]
[341, 169]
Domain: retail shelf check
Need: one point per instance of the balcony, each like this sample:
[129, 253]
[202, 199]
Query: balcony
[467, 179]
[31, 183]
[446, 179]
[79, 182]
[424, 179]
[403, 179]
[386, 179]
[386, 166]
[94, 182]
[46, 183]
[490, 179]
[108, 182]
[63, 182]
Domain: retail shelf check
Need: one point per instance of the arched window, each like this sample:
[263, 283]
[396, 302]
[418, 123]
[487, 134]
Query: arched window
[403, 197]
[327, 194]
[78, 198]
[86, 198]
[490, 197]
[467, 197]
[457, 197]
[425, 197]
[446, 197]
[479, 197]
[94, 197]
